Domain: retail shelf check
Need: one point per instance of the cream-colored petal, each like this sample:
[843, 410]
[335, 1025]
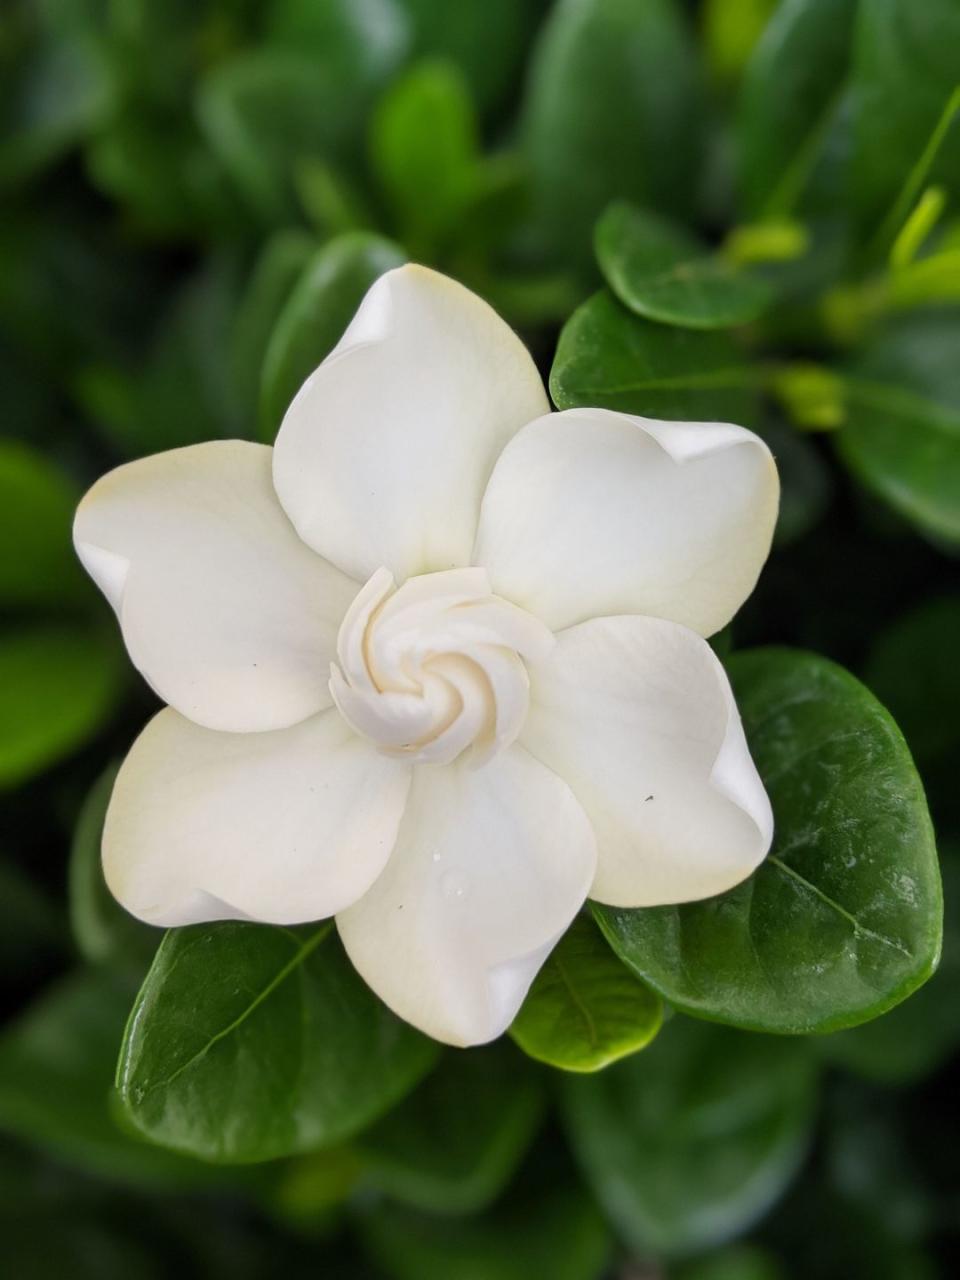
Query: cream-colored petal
[590, 513]
[637, 715]
[227, 614]
[282, 827]
[490, 867]
[383, 455]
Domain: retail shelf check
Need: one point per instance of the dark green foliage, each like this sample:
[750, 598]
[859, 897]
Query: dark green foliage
[740, 210]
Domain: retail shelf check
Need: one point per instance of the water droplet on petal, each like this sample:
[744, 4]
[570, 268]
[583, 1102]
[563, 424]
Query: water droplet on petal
[453, 886]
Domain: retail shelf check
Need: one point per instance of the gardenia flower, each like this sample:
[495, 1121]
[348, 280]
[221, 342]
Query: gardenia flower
[435, 662]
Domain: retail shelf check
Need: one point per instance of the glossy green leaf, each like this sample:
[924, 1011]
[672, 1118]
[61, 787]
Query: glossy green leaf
[317, 312]
[902, 435]
[37, 502]
[660, 271]
[916, 1038]
[248, 1042]
[279, 267]
[609, 358]
[58, 684]
[611, 110]
[559, 1234]
[453, 1144]
[423, 139]
[103, 931]
[56, 1069]
[689, 1143]
[791, 94]
[904, 73]
[585, 1009]
[843, 919]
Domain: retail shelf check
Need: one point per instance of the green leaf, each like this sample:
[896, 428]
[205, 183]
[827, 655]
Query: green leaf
[791, 93]
[58, 684]
[916, 1038]
[318, 310]
[661, 272]
[905, 71]
[453, 1144]
[56, 1068]
[103, 931]
[559, 1234]
[599, 64]
[731, 29]
[585, 1008]
[689, 1143]
[332, 201]
[37, 502]
[248, 1042]
[281, 264]
[843, 919]
[609, 358]
[902, 435]
[423, 139]
[303, 94]
[361, 40]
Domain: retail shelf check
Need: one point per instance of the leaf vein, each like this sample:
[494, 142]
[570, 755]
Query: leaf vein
[295, 960]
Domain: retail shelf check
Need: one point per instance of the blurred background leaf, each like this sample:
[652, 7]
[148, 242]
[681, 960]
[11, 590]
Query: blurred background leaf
[196, 195]
[687, 1144]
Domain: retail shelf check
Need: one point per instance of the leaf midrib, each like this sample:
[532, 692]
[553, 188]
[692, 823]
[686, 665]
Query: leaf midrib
[578, 1003]
[859, 928]
[302, 952]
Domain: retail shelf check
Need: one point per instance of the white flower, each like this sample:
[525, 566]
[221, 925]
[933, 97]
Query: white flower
[435, 662]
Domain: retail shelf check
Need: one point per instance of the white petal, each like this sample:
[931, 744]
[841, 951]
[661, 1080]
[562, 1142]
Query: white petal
[490, 867]
[282, 827]
[636, 714]
[227, 614]
[590, 512]
[383, 456]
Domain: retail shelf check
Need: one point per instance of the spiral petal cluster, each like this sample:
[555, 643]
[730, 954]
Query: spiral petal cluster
[436, 667]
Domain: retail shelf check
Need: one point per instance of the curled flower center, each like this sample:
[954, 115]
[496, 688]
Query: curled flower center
[435, 667]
